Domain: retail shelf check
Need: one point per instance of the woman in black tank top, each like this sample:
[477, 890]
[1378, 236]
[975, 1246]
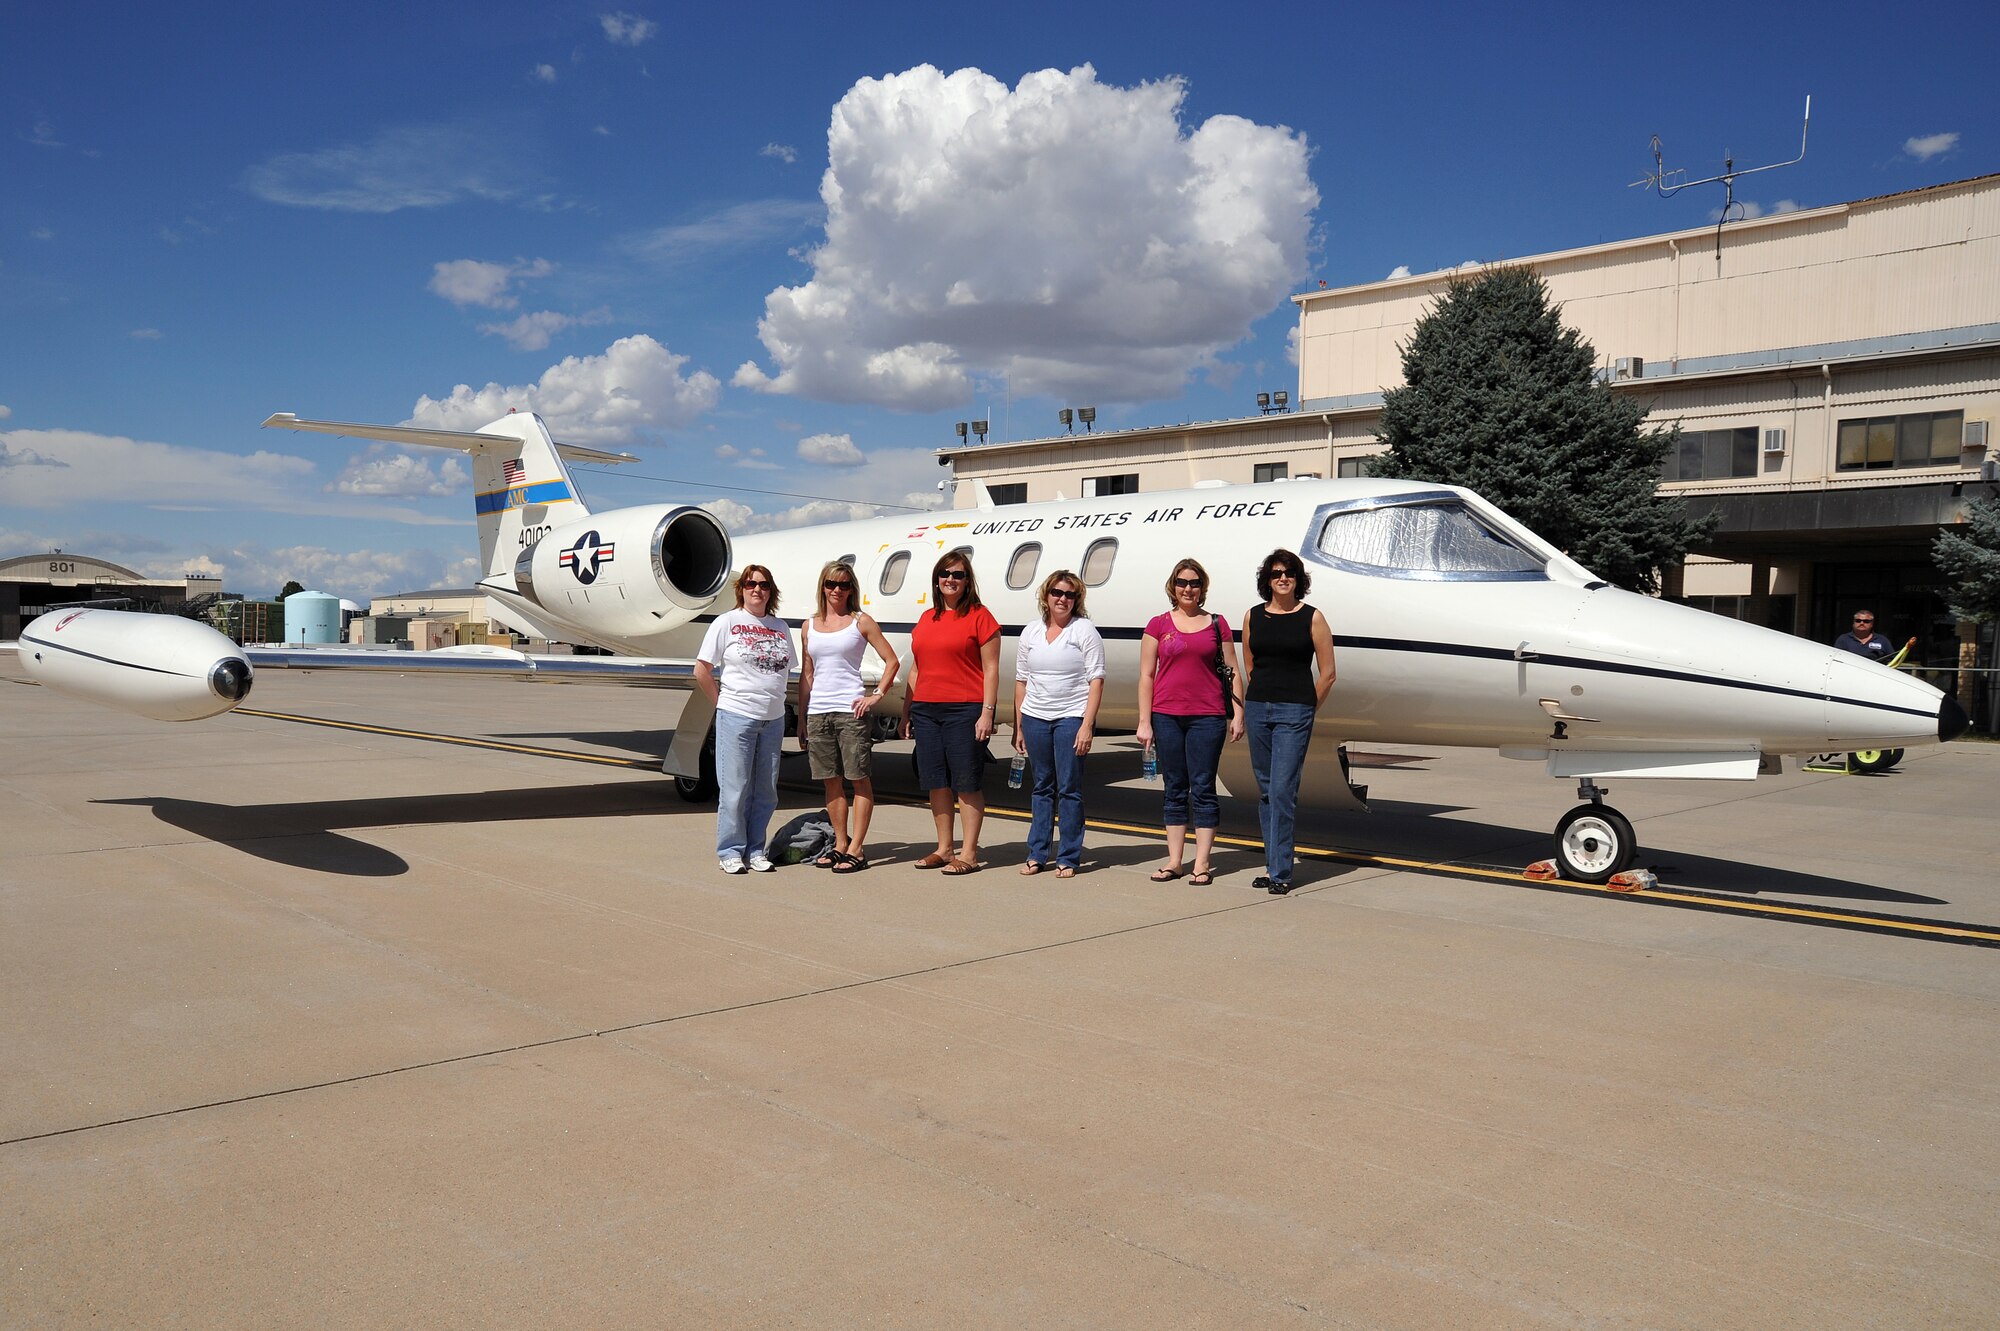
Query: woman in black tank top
[1283, 640]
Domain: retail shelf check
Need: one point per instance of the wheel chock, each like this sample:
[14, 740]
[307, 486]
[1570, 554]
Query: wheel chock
[1632, 880]
[1540, 870]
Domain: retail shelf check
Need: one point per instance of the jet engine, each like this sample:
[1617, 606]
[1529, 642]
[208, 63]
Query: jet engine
[159, 666]
[627, 573]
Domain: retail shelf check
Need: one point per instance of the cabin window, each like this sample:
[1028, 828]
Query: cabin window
[845, 559]
[1097, 561]
[1021, 568]
[1432, 538]
[894, 572]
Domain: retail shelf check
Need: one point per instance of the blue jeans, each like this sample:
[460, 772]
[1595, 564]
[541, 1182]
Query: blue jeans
[1189, 749]
[1279, 733]
[746, 770]
[1058, 794]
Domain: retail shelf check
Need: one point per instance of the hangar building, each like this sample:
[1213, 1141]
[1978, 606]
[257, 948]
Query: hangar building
[1835, 372]
[30, 584]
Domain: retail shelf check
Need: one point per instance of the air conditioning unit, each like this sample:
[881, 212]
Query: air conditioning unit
[1629, 367]
[1973, 436]
[1774, 442]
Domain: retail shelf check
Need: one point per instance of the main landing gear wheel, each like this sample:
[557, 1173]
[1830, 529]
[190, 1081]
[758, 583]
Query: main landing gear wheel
[700, 789]
[1875, 760]
[1593, 842]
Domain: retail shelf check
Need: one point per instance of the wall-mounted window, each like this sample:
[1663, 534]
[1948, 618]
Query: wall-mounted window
[1712, 455]
[1350, 468]
[1016, 493]
[1921, 439]
[894, 572]
[1270, 471]
[1097, 561]
[1021, 568]
[1126, 484]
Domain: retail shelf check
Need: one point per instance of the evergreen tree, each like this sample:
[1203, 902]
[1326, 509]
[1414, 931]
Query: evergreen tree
[289, 588]
[1972, 560]
[1501, 398]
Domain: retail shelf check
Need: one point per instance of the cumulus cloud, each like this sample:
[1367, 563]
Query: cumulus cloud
[146, 334]
[543, 73]
[408, 166]
[43, 135]
[5, 411]
[260, 570]
[1400, 270]
[1292, 344]
[784, 152]
[832, 450]
[531, 332]
[622, 29]
[758, 222]
[1075, 238]
[382, 469]
[476, 282]
[1930, 145]
[635, 385]
[54, 468]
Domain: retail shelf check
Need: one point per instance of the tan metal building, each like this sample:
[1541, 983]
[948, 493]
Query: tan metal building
[1835, 372]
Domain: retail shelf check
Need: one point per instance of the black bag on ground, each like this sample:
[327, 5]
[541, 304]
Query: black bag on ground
[804, 838]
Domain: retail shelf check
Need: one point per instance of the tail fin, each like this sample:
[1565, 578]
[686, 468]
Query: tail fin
[518, 478]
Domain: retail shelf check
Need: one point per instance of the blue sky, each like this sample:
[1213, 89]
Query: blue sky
[771, 252]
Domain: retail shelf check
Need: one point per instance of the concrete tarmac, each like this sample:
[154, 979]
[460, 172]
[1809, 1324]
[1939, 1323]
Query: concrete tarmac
[317, 1026]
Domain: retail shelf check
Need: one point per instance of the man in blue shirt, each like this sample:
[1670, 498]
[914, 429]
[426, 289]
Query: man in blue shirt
[1864, 640]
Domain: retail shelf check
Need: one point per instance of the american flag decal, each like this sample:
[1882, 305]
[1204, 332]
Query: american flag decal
[512, 473]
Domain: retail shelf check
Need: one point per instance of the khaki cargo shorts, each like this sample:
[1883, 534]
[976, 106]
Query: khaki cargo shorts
[838, 744]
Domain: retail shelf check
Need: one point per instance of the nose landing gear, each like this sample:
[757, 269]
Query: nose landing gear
[1594, 840]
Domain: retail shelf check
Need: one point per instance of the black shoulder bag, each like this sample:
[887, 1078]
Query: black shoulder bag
[1224, 672]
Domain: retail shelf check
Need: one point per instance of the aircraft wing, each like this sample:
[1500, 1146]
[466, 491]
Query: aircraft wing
[490, 662]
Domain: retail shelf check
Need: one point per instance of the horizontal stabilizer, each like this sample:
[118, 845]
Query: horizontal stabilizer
[466, 441]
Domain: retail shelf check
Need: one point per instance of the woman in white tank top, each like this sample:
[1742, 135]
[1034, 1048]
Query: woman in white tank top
[836, 734]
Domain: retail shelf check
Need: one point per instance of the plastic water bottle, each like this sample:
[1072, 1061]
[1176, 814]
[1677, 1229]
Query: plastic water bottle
[1015, 770]
[1150, 764]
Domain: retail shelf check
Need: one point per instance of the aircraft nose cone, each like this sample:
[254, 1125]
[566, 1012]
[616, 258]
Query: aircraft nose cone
[1952, 720]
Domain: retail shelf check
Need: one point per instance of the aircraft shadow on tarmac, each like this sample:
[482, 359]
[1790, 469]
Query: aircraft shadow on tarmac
[305, 835]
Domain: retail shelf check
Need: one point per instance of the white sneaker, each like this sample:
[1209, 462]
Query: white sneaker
[760, 864]
[732, 865]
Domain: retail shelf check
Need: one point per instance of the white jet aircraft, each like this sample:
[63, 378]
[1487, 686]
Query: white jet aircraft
[1452, 623]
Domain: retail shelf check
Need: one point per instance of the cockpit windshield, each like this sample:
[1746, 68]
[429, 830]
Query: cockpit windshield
[1430, 537]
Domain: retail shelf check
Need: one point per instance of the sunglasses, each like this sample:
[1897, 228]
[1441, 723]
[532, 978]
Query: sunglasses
[838, 586]
[1187, 582]
[1863, 619]
[1283, 573]
[1057, 591]
[755, 586]
[952, 575]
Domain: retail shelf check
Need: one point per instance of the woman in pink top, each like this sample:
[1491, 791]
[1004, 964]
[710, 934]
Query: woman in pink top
[1190, 698]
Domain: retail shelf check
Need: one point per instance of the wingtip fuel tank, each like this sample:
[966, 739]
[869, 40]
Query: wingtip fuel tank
[157, 666]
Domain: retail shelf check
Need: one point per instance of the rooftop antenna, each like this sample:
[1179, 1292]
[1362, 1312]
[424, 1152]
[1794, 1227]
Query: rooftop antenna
[1669, 183]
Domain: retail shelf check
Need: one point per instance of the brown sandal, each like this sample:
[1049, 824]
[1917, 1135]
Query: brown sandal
[934, 861]
[960, 868]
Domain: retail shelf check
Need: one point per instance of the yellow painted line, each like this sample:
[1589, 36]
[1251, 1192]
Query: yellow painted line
[1666, 896]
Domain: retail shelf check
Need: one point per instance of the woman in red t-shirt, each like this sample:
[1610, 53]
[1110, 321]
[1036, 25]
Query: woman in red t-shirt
[953, 687]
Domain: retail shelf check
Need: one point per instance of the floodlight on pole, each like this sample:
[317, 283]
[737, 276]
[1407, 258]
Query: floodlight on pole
[1281, 400]
[1088, 415]
[979, 428]
[960, 428]
[1065, 416]
[1264, 403]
